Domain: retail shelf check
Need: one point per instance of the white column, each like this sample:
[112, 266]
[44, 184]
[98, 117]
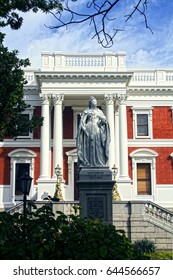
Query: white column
[45, 139]
[117, 142]
[58, 132]
[110, 118]
[123, 174]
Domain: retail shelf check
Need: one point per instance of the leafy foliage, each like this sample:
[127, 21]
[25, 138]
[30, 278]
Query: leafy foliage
[42, 236]
[161, 255]
[12, 76]
[11, 94]
[144, 246]
[9, 10]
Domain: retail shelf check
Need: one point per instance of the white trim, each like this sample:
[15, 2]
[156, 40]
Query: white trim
[72, 158]
[139, 111]
[150, 143]
[21, 156]
[30, 112]
[144, 156]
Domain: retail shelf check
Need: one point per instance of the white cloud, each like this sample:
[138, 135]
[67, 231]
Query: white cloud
[143, 48]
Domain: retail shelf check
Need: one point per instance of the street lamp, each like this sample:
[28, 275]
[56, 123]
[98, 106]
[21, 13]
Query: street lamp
[115, 193]
[25, 181]
[58, 192]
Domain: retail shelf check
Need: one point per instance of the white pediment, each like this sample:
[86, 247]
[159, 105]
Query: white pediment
[143, 153]
[22, 153]
[72, 153]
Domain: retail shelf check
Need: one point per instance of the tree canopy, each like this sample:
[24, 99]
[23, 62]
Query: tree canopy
[9, 10]
[12, 79]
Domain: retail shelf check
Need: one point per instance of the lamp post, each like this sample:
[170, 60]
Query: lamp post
[25, 181]
[58, 191]
[115, 193]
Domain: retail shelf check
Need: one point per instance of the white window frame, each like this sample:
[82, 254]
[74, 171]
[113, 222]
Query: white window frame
[30, 112]
[21, 156]
[142, 111]
[144, 156]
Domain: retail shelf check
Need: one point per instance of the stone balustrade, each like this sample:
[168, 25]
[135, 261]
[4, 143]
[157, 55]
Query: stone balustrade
[18, 208]
[30, 77]
[160, 213]
[155, 77]
[58, 61]
[98, 63]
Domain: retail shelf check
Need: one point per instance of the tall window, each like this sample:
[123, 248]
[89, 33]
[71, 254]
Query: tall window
[143, 179]
[142, 124]
[24, 118]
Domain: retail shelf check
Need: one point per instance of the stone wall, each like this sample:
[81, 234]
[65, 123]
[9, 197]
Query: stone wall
[139, 219]
[143, 220]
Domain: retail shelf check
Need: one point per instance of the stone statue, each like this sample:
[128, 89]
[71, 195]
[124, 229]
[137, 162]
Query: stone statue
[93, 137]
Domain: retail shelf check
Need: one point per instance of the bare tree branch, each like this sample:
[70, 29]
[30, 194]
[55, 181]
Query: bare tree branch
[98, 13]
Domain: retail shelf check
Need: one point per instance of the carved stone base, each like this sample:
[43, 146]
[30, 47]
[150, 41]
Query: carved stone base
[95, 191]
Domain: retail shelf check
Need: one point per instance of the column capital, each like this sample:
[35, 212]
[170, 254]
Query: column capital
[122, 98]
[58, 99]
[45, 98]
[109, 98]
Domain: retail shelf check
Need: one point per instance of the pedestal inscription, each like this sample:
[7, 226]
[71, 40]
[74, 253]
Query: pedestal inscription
[95, 191]
[96, 207]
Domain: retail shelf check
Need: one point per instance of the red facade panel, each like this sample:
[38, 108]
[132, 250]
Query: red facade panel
[164, 164]
[129, 123]
[162, 123]
[5, 166]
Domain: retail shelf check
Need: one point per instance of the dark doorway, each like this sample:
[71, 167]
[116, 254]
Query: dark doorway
[21, 169]
[76, 192]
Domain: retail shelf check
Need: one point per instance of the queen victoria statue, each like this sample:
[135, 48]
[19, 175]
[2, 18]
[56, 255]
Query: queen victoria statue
[93, 137]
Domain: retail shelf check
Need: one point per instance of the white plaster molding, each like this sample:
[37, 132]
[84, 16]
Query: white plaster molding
[142, 110]
[144, 156]
[21, 156]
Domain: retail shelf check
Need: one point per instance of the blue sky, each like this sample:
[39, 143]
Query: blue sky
[143, 49]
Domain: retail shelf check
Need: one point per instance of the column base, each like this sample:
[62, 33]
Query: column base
[46, 186]
[124, 186]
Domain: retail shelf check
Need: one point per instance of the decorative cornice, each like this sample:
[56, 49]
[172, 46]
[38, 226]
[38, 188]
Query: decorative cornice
[84, 75]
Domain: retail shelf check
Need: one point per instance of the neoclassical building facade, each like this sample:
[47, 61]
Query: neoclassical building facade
[138, 105]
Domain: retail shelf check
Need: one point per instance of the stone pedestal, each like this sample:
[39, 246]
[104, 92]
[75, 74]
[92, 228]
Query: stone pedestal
[95, 186]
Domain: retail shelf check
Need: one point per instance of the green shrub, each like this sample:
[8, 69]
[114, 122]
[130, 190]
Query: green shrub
[161, 256]
[144, 246]
[42, 236]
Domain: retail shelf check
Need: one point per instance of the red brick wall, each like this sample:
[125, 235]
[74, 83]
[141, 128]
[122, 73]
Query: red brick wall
[5, 165]
[164, 164]
[129, 123]
[162, 123]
